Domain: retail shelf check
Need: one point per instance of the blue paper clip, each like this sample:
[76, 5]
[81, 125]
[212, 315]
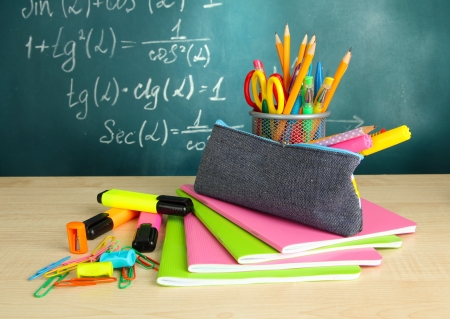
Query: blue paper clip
[43, 270]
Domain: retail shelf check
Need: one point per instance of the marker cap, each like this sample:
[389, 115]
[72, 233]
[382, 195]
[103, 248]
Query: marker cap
[145, 238]
[98, 225]
[173, 205]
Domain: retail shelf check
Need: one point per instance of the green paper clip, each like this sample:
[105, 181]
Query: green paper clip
[125, 282]
[48, 283]
[142, 260]
[145, 262]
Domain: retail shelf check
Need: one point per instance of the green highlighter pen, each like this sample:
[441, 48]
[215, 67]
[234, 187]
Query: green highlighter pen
[308, 105]
[161, 204]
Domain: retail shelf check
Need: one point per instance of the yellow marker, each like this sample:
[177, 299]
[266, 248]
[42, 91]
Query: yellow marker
[95, 269]
[162, 204]
[388, 139]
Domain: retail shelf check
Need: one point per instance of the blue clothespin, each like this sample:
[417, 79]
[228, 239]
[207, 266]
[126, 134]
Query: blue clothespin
[43, 270]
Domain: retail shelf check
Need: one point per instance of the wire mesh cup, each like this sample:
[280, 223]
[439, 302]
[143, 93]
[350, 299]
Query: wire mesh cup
[289, 129]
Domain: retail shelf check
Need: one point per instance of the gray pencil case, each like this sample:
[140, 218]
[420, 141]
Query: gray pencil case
[305, 183]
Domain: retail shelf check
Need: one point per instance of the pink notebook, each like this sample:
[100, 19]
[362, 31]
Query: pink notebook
[289, 237]
[206, 254]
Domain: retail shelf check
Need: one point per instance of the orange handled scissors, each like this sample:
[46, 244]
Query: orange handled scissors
[270, 90]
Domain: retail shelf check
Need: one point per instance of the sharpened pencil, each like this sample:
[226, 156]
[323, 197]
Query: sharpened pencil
[337, 78]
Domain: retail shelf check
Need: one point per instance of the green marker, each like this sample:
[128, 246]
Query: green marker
[308, 106]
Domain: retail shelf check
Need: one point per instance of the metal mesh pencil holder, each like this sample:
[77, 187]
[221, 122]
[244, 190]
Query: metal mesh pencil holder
[289, 129]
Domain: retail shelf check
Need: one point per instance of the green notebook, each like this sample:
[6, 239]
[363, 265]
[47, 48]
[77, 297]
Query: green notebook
[248, 249]
[173, 269]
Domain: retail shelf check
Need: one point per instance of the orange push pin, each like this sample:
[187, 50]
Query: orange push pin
[76, 234]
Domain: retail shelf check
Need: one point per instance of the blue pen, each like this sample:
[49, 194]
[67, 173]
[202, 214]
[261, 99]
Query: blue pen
[309, 70]
[318, 80]
[43, 270]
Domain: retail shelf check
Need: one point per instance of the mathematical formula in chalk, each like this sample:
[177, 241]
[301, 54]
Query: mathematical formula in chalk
[158, 132]
[103, 42]
[175, 64]
[72, 8]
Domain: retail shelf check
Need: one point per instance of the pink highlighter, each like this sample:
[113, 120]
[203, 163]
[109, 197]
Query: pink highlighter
[356, 144]
[146, 234]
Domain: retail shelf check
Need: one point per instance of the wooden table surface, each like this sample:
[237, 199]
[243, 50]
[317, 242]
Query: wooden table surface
[411, 282]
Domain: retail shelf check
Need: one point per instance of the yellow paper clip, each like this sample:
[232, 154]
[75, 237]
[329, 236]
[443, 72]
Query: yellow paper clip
[62, 270]
[95, 254]
[103, 244]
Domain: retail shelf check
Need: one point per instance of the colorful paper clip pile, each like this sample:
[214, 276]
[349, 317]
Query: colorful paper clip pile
[92, 270]
[68, 266]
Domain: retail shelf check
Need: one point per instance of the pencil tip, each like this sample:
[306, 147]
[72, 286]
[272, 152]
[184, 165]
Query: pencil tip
[350, 50]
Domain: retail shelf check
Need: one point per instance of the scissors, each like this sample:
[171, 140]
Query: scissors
[270, 90]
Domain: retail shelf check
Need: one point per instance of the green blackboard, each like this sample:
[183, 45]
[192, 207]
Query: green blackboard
[131, 87]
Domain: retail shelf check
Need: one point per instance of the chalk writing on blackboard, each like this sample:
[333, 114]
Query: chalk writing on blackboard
[159, 132]
[74, 46]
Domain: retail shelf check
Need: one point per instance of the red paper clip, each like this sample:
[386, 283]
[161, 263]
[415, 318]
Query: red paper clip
[148, 262]
[126, 273]
[84, 281]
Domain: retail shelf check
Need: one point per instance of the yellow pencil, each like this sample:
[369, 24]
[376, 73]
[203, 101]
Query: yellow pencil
[337, 78]
[299, 80]
[286, 57]
[301, 50]
[279, 47]
[313, 40]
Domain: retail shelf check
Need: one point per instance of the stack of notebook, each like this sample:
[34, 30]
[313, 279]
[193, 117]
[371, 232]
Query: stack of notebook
[223, 243]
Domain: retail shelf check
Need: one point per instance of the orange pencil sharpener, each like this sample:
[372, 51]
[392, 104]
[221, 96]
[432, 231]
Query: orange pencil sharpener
[76, 234]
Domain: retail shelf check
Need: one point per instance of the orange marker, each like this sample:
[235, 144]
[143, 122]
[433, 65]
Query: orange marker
[104, 222]
[79, 232]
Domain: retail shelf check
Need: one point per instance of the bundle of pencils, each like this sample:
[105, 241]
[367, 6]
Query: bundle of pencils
[322, 90]
[298, 92]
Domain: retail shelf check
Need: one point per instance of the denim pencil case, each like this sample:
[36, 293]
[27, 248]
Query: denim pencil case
[306, 183]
